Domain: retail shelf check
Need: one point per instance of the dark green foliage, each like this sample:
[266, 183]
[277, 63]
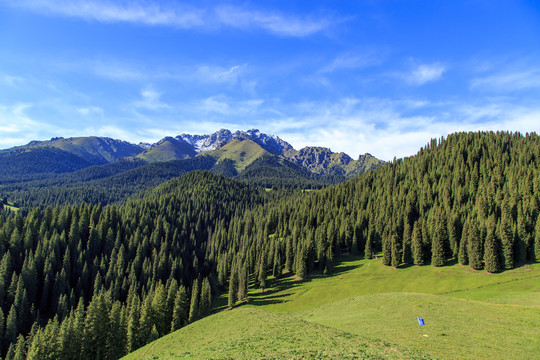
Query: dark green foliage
[537, 241]
[205, 303]
[233, 288]
[194, 312]
[463, 256]
[474, 246]
[492, 252]
[438, 257]
[387, 251]
[396, 256]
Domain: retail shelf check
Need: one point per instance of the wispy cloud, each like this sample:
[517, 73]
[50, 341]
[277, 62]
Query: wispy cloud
[509, 80]
[90, 110]
[151, 100]
[16, 126]
[350, 61]
[425, 73]
[178, 15]
[141, 12]
[273, 22]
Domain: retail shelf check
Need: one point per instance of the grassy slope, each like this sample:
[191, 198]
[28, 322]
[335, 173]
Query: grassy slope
[250, 333]
[463, 309]
[469, 315]
[243, 153]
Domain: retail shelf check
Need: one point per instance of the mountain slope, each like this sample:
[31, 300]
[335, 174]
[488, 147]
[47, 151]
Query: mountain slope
[38, 162]
[168, 149]
[241, 152]
[95, 150]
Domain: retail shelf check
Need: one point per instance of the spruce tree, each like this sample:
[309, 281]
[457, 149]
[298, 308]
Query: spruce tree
[463, 255]
[367, 249]
[262, 274]
[537, 240]
[20, 349]
[181, 308]
[507, 236]
[491, 249]
[474, 243]
[133, 335]
[233, 287]
[301, 267]
[387, 251]
[194, 303]
[417, 245]
[396, 256]
[96, 329]
[437, 244]
[206, 298]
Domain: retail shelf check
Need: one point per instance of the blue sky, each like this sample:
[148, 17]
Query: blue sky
[382, 77]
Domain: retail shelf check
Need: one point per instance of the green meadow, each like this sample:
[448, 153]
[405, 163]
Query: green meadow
[367, 310]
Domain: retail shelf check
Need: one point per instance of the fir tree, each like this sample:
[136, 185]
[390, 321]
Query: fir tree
[491, 249]
[367, 249]
[387, 252]
[537, 241]
[437, 244]
[474, 243]
[262, 274]
[396, 256]
[194, 313]
[233, 287]
[417, 245]
[463, 255]
[507, 236]
[206, 298]
[181, 308]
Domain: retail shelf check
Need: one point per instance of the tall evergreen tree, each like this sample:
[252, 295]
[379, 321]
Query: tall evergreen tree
[438, 257]
[474, 243]
[181, 308]
[491, 249]
[463, 255]
[194, 311]
[233, 287]
[396, 256]
[507, 236]
[206, 298]
[417, 245]
[537, 240]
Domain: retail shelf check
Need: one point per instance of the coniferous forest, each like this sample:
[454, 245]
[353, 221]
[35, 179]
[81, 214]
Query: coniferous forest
[96, 282]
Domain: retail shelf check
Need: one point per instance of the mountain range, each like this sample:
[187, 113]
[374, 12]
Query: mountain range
[232, 150]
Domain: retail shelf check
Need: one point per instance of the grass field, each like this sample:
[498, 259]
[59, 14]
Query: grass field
[469, 315]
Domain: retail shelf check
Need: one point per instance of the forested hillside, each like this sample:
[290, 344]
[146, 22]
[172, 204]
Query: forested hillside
[472, 198]
[74, 280]
[95, 282]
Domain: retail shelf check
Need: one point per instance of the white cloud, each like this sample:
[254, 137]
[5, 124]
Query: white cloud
[151, 100]
[177, 15]
[425, 73]
[16, 126]
[508, 81]
[353, 61]
[90, 110]
[273, 22]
